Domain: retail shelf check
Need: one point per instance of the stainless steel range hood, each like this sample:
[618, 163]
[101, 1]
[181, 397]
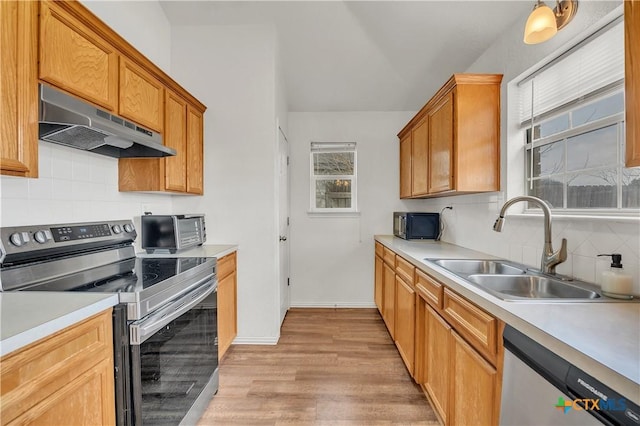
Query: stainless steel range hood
[66, 120]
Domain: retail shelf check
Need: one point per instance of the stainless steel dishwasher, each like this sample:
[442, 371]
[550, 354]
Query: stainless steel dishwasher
[540, 388]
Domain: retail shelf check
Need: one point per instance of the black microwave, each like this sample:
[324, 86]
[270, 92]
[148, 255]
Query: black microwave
[416, 226]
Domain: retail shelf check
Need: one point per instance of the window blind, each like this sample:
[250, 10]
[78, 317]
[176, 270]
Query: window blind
[579, 72]
[332, 146]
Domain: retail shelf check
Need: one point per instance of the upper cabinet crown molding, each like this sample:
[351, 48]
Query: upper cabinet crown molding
[454, 140]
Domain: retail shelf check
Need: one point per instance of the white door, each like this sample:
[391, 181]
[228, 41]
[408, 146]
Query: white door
[283, 154]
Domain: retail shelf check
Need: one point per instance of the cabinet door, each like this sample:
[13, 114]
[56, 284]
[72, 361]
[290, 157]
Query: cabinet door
[377, 289]
[141, 96]
[632, 81]
[474, 387]
[405, 166]
[405, 322]
[441, 145]
[175, 136]
[75, 59]
[419, 158]
[389, 302]
[437, 361]
[195, 151]
[19, 88]
[227, 322]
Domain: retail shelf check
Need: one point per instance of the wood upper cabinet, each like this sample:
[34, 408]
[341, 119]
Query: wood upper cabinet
[420, 158]
[76, 59]
[195, 151]
[66, 378]
[175, 136]
[227, 302]
[405, 166]
[19, 88]
[440, 154]
[182, 173]
[632, 81]
[475, 387]
[459, 143]
[141, 96]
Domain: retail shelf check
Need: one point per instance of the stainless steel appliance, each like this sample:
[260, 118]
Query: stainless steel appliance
[172, 232]
[69, 121]
[165, 327]
[416, 226]
[541, 388]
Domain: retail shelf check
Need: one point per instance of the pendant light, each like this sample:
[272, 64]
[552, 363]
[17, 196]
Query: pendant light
[543, 22]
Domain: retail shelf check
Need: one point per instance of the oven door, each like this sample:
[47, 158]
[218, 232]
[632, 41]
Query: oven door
[174, 359]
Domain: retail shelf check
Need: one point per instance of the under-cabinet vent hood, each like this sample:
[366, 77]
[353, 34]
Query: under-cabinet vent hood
[66, 120]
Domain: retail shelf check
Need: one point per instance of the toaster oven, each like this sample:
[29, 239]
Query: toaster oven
[172, 232]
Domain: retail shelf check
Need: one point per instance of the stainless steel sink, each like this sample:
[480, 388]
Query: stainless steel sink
[472, 266]
[530, 287]
[511, 281]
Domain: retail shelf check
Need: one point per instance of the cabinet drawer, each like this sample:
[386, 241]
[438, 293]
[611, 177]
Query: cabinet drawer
[226, 265]
[389, 257]
[430, 289]
[379, 249]
[405, 270]
[477, 326]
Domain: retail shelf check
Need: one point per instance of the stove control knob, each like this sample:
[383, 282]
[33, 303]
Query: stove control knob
[128, 227]
[16, 239]
[40, 237]
[116, 229]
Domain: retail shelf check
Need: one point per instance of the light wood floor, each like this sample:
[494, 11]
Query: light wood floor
[330, 367]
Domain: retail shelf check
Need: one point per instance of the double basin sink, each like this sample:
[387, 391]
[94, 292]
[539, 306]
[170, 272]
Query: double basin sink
[513, 282]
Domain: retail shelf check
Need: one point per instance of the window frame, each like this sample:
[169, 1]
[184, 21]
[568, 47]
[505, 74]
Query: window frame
[338, 147]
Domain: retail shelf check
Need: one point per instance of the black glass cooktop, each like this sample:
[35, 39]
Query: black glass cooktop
[129, 276]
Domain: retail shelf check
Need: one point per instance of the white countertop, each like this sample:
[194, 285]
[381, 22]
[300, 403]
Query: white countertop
[601, 338]
[29, 316]
[207, 250]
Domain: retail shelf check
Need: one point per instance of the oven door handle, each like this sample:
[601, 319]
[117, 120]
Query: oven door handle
[141, 330]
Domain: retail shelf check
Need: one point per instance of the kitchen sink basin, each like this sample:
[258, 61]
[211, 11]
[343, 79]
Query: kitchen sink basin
[509, 287]
[472, 266]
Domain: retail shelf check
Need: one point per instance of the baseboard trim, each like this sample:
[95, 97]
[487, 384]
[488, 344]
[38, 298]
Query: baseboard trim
[333, 305]
[256, 340]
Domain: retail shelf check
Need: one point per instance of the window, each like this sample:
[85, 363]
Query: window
[333, 177]
[572, 116]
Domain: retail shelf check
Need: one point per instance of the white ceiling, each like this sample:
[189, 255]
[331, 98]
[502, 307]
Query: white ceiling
[365, 55]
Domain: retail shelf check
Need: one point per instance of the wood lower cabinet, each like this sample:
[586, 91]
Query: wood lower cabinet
[66, 378]
[227, 302]
[389, 298]
[405, 313]
[437, 361]
[76, 59]
[19, 88]
[378, 288]
[475, 387]
[632, 81]
[455, 139]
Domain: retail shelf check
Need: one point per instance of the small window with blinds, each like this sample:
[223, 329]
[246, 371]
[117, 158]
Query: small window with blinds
[333, 177]
[572, 114]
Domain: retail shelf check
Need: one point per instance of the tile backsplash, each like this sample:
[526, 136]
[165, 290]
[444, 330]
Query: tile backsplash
[470, 225]
[73, 186]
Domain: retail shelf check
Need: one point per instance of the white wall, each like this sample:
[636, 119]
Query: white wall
[470, 223]
[332, 257]
[76, 185]
[231, 69]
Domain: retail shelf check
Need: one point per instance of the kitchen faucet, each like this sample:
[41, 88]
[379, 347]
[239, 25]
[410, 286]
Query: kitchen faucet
[549, 258]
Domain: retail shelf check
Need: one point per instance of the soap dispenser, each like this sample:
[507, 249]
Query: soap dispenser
[615, 282]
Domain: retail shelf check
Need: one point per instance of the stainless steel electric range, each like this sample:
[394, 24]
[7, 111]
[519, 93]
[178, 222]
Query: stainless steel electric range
[165, 326]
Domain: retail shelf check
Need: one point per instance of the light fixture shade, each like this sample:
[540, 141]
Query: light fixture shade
[541, 25]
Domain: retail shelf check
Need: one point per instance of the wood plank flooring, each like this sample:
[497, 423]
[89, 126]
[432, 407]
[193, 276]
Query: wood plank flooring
[330, 367]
